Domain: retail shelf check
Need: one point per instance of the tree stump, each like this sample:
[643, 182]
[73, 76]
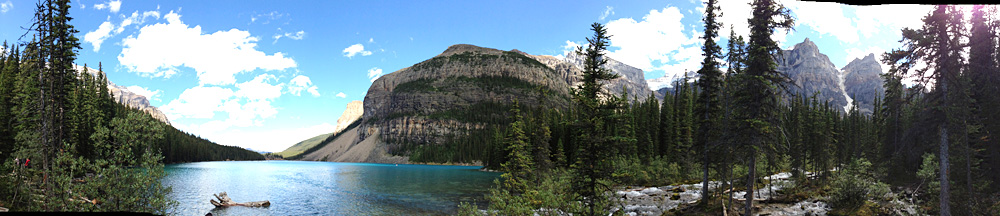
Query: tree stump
[224, 201]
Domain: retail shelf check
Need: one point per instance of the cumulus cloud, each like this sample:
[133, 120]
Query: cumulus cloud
[260, 88]
[200, 102]
[302, 83]
[609, 11]
[658, 39]
[96, 37]
[112, 6]
[341, 95]
[356, 49]
[6, 6]
[152, 95]
[824, 18]
[875, 18]
[374, 73]
[249, 105]
[159, 49]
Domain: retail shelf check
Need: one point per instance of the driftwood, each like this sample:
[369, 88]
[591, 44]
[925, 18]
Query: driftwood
[224, 201]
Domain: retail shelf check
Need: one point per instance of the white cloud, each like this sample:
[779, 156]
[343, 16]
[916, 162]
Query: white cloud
[199, 102]
[734, 17]
[160, 48]
[104, 31]
[294, 36]
[6, 6]
[248, 106]
[371, 40]
[659, 37]
[569, 47]
[302, 83]
[609, 11]
[374, 73]
[356, 49]
[875, 18]
[259, 88]
[341, 95]
[152, 95]
[136, 19]
[96, 37]
[112, 6]
[824, 18]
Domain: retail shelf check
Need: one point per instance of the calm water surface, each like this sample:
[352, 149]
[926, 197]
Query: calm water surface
[326, 188]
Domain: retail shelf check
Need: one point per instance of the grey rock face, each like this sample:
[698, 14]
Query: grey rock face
[811, 71]
[449, 94]
[863, 82]
[632, 79]
[431, 100]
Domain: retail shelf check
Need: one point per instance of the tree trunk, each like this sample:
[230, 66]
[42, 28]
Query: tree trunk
[750, 182]
[943, 132]
[945, 210]
[224, 201]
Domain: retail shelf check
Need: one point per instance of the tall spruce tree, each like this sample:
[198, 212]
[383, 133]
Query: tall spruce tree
[593, 164]
[761, 83]
[708, 100]
[937, 44]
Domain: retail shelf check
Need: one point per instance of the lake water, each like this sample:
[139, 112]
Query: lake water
[326, 188]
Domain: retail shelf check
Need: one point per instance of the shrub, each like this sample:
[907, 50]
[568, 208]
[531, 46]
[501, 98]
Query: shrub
[855, 185]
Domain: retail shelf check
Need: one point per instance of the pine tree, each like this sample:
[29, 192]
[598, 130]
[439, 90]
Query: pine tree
[709, 83]
[936, 43]
[984, 75]
[592, 158]
[761, 83]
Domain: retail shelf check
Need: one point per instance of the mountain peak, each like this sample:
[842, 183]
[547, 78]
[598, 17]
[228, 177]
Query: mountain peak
[462, 48]
[807, 45]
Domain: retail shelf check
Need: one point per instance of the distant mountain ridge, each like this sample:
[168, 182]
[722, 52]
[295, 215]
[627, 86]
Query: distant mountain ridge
[811, 72]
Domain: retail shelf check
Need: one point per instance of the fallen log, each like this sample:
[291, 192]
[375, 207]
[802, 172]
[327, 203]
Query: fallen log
[224, 201]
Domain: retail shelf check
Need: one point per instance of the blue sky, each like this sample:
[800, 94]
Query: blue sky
[267, 74]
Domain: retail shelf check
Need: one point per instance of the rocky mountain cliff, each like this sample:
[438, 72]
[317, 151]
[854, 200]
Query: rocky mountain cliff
[632, 79]
[463, 89]
[863, 83]
[812, 71]
[454, 92]
[352, 113]
[122, 95]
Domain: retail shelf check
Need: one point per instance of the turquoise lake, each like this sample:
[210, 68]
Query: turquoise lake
[326, 188]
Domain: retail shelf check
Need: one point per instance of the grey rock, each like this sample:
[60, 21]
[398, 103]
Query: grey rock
[811, 71]
[863, 82]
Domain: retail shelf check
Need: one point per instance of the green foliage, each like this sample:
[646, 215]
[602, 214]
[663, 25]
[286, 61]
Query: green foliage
[659, 171]
[855, 185]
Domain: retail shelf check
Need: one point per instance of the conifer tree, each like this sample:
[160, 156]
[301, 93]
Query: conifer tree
[936, 43]
[594, 143]
[708, 100]
[761, 83]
